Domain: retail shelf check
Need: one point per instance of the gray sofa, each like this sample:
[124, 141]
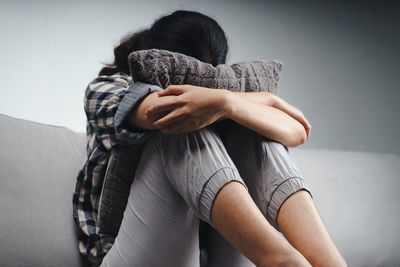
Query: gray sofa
[357, 194]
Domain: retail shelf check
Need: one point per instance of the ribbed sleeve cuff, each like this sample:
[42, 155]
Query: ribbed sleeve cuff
[137, 92]
[212, 187]
[280, 194]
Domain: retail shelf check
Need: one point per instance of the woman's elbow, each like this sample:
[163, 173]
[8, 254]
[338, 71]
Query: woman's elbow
[295, 137]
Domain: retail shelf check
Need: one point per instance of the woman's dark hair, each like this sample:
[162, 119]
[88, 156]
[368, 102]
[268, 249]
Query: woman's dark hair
[186, 32]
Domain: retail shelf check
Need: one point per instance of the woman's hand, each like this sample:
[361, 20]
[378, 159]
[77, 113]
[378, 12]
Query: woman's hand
[191, 108]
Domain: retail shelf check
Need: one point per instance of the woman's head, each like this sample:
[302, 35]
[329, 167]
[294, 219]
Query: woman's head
[186, 32]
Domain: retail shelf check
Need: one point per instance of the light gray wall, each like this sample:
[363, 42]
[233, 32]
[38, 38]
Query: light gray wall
[341, 58]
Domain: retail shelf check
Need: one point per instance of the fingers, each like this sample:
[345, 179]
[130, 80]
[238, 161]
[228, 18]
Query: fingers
[172, 104]
[172, 90]
[157, 116]
[172, 117]
[179, 127]
[306, 125]
[294, 112]
[308, 131]
[299, 116]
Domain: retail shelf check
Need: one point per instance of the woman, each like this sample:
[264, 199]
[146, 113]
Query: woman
[193, 167]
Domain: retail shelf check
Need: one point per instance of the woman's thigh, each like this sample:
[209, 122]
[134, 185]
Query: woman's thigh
[158, 227]
[176, 182]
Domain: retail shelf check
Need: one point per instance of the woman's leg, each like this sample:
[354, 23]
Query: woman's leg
[158, 227]
[198, 164]
[277, 187]
[301, 224]
[180, 178]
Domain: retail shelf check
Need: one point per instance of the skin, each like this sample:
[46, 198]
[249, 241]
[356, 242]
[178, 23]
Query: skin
[237, 218]
[185, 108]
[301, 224]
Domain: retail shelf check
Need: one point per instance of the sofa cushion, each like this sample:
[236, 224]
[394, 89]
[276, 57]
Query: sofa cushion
[39, 164]
[357, 194]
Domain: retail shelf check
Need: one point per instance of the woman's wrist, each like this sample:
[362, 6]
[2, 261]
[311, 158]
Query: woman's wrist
[227, 103]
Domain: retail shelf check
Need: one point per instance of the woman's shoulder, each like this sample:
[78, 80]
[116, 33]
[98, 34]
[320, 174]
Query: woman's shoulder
[120, 78]
[107, 85]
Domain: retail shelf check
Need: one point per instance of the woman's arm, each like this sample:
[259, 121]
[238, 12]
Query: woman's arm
[195, 107]
[139, 119]
[265, 120]
[270, 99]
[186, 107]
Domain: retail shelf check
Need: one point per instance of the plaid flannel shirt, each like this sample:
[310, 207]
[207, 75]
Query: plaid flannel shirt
[107, 102]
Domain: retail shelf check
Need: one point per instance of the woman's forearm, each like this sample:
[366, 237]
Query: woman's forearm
[265, 119]
[137, 117]
[264, 98]
[255, 111]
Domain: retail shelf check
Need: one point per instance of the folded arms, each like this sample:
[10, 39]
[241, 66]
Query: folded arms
[184, 108]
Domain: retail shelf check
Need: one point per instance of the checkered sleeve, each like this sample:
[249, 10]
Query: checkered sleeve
[108, 101]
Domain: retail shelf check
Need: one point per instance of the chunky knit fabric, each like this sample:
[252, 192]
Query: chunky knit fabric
[163, 68]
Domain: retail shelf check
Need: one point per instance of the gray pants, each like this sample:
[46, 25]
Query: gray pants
[176, 182]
